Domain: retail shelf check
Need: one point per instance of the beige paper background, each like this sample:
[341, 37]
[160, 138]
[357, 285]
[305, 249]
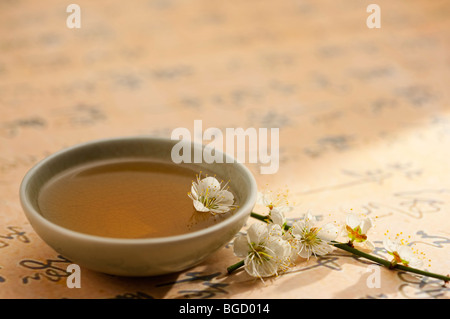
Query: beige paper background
[363, 118]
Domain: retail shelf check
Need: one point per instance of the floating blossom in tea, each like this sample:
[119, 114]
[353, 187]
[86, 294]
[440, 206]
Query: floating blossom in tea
[209, 195]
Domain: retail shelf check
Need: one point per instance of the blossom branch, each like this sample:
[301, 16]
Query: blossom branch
[349, 248]
[387, 263]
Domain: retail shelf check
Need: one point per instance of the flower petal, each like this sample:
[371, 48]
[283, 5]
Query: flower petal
[309, 220]
[221, 209]
[390, 245]
[352, 220]
[274, 230]
[211, 182]
[194, 191]
[255, 268]
[322, 249]
[277, 216]
[225, 197]
[200, 207]
[365, 225]
[304, 252]
[296, 228]
[328, 232]
[406, 253]
[258, 233]
[241, 246]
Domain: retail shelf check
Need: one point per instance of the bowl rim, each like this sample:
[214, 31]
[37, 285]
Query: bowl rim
[29, 208]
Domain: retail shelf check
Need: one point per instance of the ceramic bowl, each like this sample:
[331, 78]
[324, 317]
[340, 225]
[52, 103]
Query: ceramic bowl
[135, 257]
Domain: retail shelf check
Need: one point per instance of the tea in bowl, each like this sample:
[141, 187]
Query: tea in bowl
[121, 205]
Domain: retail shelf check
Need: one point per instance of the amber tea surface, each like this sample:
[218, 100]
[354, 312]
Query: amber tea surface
[124, 199]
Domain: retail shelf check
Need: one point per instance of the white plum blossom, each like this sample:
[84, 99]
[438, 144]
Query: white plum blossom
[209, 195]
[278, 206]
[273, 200]
[265, 252]
[402, 254]
[307, 239]
[277, 216]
